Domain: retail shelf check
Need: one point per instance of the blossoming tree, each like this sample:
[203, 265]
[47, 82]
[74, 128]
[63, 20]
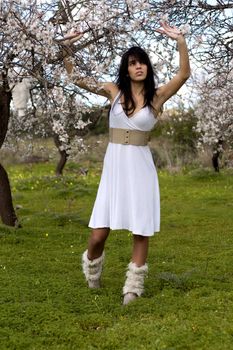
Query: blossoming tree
[30, 47]
[214, 111]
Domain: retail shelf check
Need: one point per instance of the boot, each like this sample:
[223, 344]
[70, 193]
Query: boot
[92, 269]
[134, 284]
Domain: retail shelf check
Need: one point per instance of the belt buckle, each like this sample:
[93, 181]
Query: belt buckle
[126, 137]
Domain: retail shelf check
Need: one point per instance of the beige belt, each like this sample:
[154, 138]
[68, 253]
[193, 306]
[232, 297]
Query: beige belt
[129, 137]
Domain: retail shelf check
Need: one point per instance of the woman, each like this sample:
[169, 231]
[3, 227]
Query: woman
[128, 194]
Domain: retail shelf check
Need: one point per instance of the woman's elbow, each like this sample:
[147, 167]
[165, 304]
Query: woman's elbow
[186, 75]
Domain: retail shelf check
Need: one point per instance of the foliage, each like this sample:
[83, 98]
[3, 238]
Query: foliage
[179, 126]
[188, 302]
[175, 139]
[211, 48]
[210, 28]
[214, 111]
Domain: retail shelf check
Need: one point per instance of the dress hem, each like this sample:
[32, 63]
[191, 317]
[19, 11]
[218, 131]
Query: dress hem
[125, 228]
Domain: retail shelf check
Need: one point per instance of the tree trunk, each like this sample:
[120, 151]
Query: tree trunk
[5, 99]
[217, 152]
[7, 212]
[63, 156]
[215, 161]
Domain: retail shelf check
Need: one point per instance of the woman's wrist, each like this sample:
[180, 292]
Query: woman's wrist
[180, 38]
[67, 51]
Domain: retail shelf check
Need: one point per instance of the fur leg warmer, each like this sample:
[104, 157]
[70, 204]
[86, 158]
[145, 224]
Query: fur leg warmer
[134, 284]
[92, 269]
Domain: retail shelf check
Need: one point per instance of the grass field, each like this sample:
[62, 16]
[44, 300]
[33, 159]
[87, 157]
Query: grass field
[188, 302]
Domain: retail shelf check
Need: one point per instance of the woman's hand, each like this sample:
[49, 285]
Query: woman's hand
[172, 32]
[67, 50]
[71, 38]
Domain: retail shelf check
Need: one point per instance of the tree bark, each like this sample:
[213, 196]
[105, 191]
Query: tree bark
[216, 155]
[63, 156]
[215, 161]
[5, 99]
[7, 212]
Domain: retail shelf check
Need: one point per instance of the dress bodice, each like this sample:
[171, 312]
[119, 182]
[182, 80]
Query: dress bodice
[143, 120]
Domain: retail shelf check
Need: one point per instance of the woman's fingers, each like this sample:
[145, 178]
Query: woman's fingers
[164, 24]
[172, 31]
[169, 28]
[161, 31]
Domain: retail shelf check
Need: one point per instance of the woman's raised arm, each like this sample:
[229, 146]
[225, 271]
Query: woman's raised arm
[90, 84]
[164, 92]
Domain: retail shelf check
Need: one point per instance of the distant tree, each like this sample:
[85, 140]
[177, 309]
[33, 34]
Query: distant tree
[214, 111]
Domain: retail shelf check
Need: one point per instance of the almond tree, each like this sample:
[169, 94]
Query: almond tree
[214, 111]
[211, 48]
[210, 25]
[7, 211]
[30, 34]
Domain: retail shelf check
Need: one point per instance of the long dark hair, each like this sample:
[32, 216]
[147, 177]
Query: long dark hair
[123, 79]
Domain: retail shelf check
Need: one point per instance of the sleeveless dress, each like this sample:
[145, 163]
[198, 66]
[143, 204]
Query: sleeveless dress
[128, 193]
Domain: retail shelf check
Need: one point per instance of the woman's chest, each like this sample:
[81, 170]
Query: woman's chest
[142, 119]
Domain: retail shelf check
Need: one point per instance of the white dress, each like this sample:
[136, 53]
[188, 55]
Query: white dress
[128, 193]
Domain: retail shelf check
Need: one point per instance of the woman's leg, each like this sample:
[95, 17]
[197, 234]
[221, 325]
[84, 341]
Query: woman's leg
[140, 249]
[93, 257]
[96, 242]
[137, 269]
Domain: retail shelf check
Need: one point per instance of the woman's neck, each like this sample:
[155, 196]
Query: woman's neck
[137, 88]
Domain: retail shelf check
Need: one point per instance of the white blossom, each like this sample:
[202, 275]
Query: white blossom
[185, 29]
[214, 111]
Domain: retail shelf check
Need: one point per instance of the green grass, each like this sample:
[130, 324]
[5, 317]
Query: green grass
[188, 302]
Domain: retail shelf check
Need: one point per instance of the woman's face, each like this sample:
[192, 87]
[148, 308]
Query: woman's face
[137, 70]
